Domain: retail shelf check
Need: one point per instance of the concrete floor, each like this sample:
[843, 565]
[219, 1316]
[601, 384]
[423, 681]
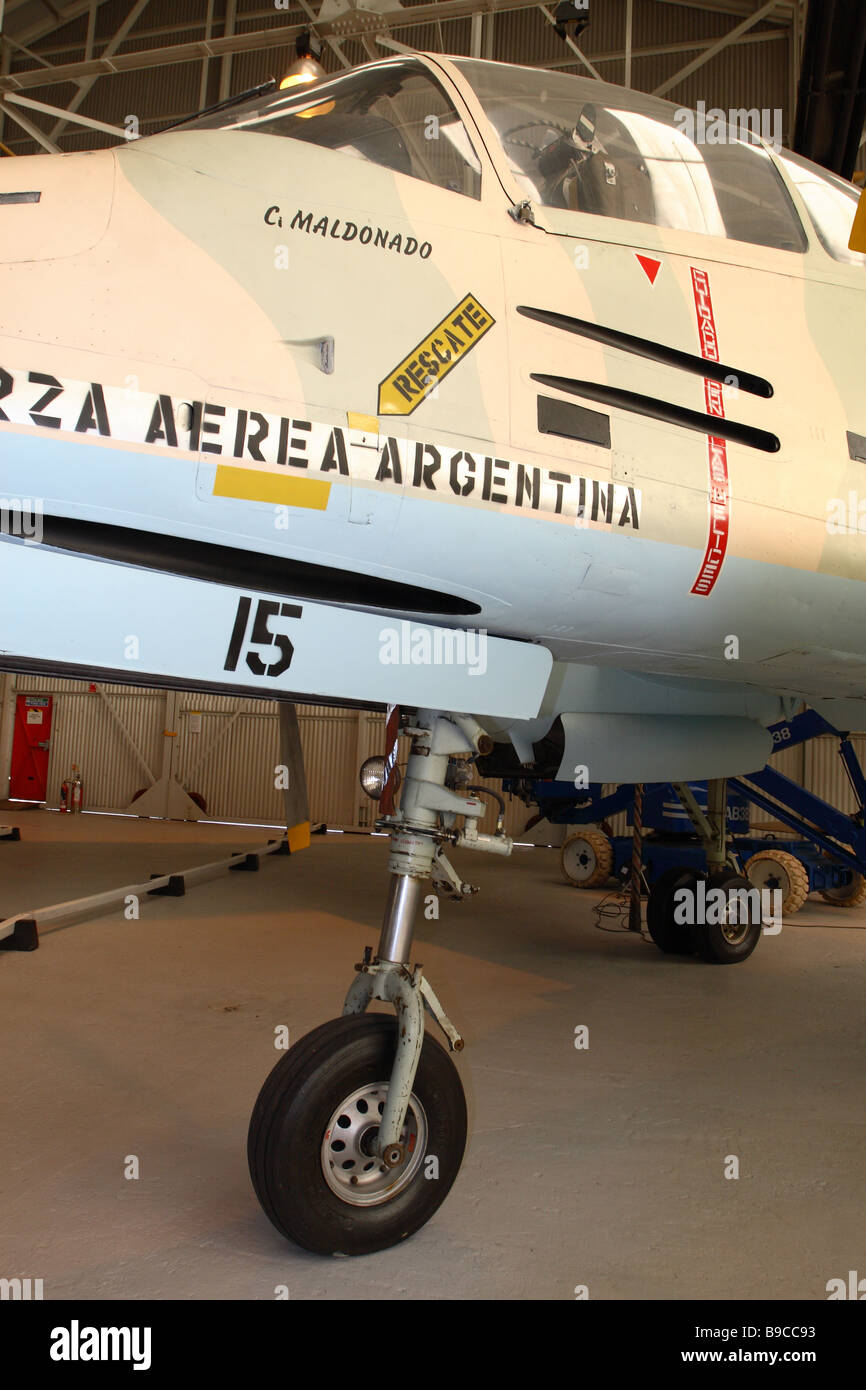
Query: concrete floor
[602, 1167]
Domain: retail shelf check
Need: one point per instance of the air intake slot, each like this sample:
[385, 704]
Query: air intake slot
[223, 564]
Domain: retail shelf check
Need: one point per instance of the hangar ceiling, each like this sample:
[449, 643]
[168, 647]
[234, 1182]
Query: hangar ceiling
[159, 60]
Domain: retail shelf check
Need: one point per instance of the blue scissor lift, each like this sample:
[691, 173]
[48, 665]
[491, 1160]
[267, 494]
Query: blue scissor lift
[826, 852]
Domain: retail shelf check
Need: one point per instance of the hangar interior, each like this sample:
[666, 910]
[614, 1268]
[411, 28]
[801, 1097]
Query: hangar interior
[611, 1088]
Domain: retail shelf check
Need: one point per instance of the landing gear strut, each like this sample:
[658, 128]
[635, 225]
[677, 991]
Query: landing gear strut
[358, 1133]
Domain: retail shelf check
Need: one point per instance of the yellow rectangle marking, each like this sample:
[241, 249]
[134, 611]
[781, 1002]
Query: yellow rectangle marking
[434, 357]
[253, 485]
[299, 836]
[367, 424]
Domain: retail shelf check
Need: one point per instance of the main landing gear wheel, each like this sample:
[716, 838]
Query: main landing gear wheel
[775, 869]
[310, 1146]
[849, 894]
[731, 940]
[586, 859]
[672, 937]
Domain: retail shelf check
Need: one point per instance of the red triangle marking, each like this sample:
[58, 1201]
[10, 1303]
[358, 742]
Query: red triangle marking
[651, 267]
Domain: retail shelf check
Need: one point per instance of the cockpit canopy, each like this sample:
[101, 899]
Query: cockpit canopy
[395, 114]
[573, 146]
[585, 146]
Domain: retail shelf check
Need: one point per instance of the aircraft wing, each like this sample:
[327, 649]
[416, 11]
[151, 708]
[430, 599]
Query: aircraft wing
[93, 617]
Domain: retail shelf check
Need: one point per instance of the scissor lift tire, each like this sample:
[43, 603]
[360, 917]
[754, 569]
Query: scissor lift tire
[590, 866]
[849, 895]
[791, 875]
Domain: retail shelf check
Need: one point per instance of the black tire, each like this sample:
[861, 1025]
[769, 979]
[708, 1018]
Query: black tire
[290, 1123]
[672, 937]
[723, 943]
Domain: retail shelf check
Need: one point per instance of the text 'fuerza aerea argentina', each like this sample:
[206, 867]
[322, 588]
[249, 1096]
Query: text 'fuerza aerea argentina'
[272, 444]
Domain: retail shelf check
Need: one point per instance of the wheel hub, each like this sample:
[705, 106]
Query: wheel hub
[351, 1166]
[734, 929]
[582, 860]
[773, 877]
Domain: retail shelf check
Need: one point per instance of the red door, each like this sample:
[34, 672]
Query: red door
[28, 779]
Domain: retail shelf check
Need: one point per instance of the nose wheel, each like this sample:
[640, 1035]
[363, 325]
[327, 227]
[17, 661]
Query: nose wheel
[350, 1162]
[312, 1153]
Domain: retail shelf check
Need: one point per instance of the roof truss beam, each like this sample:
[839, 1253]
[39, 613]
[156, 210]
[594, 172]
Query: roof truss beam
[760, 13]
[355, 25]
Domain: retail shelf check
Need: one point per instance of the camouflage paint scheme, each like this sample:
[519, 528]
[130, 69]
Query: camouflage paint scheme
[153, 270]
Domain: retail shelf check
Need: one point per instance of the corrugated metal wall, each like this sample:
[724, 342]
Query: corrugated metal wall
[229, 755]
[84, 732]
[231, 759]
[824, 774]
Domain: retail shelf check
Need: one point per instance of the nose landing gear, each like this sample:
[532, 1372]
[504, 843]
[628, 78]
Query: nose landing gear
[359, 1131]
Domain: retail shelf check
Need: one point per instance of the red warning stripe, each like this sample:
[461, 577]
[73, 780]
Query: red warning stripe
[392, 740]
[719, 492]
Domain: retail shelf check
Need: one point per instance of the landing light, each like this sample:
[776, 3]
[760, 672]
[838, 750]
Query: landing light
[372, 777]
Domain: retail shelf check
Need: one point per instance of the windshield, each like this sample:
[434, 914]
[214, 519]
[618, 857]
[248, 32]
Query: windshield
[587, 147]
[394, 114]
[831, 204]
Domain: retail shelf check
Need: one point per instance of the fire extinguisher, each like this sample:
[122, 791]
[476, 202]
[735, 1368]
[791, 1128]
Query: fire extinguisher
[64, 794]
[77, 790]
